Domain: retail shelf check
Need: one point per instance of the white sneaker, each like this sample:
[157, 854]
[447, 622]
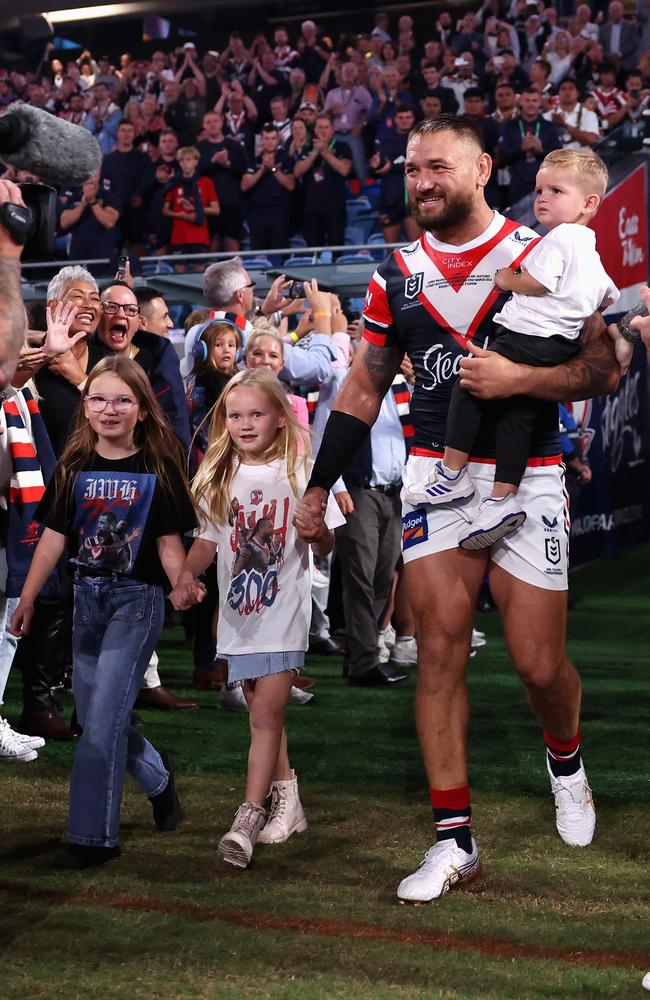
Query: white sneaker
[299, 697]
[575, 816]
[405, 651]
[445, 866]
[496, 518]
[478, 639]
[33, 742]
[286, 815]
[11, 749]
[233, 698]
[438, 488]
[236, 846]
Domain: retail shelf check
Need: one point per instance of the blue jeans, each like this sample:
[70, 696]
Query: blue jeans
[117, 623]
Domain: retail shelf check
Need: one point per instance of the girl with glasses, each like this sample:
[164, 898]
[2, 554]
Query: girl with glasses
[119, 500]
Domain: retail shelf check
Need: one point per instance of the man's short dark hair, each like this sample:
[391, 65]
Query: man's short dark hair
[531, 90]
[474, 92]
[504, 86]
[403, 109]
[269, 127]
[460, 125]
[145, 295]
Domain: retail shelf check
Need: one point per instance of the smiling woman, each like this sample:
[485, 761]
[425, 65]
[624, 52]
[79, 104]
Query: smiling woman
[59, 384]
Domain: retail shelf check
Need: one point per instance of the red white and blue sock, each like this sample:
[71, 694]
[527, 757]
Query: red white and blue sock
[563, 755]
[452, 814]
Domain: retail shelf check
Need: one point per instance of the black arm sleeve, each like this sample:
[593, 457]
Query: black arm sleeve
[342, 438]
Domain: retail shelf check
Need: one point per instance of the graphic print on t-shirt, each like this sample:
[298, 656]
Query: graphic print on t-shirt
[111, 513]
[258, 541]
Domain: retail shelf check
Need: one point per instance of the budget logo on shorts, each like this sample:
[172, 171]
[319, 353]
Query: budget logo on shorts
[413, 285]
[553, 551]
[415, 528]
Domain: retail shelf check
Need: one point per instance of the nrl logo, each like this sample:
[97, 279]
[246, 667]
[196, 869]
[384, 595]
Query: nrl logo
[413, 285]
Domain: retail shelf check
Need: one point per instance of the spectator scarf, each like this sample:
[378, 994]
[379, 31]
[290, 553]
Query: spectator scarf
[191, 193]
[33, 463]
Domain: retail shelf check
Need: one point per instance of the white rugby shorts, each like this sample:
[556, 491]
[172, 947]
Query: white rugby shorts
[537, 553]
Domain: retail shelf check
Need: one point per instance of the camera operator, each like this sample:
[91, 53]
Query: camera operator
[12, 313]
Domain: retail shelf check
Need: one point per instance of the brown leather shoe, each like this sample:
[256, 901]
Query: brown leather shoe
[161, 697]
[47, 723]
[211, 680]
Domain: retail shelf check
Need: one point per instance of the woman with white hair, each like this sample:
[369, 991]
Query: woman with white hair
[60, 383]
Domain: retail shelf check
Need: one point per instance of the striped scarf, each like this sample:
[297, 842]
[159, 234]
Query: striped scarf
[402, 395]
[33, 463]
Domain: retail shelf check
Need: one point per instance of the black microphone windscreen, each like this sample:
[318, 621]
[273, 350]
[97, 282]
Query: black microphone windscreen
[55, 150]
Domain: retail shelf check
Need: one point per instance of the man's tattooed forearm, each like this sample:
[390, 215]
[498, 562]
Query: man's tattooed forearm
[593, 372]
[381, 364]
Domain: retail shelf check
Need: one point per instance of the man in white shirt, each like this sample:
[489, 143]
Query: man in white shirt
[578, 126]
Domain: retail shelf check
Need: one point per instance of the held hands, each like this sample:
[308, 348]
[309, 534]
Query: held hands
[185, 595]
[309, 516]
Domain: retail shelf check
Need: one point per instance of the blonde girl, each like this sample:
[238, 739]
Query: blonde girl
[249, 487]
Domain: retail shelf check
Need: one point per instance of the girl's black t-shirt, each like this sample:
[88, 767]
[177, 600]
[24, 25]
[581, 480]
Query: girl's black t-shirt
[114, 513]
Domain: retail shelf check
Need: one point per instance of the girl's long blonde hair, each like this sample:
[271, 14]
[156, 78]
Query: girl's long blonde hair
[152, 435]
[211, 485]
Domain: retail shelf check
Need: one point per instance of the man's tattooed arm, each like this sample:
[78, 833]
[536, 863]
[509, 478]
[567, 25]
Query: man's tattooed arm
[368, 381]
[12, 318]
[593, 372]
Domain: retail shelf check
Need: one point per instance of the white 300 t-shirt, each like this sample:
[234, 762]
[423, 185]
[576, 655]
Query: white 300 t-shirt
[264, 568]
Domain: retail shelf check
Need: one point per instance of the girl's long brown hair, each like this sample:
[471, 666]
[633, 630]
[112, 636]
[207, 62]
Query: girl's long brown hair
[152, 435]
[211, 485]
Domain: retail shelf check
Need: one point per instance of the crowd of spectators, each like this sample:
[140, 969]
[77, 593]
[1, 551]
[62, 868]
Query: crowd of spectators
[212, 150]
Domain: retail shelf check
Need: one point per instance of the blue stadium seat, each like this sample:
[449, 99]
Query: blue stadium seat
[259, 263]
[156, 267]
[355, 258]
[325, 257]
[297, 241]
[297, 261]
[354, 235]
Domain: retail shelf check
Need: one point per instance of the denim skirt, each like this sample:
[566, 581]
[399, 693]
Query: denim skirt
[253, 666]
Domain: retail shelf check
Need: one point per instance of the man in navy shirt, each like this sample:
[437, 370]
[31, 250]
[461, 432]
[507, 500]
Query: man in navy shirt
[91, 214]
[126, 167]
[223, 160]
[269, 183]
[324, 168]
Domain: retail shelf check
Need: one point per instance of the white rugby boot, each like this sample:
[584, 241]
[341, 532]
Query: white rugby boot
[438, 488]
[236, 846]
[575, 816]
[445, 866]
[286, 815]
[496, 518]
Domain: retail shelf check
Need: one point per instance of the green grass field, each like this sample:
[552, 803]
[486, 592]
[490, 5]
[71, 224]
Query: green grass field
[317, 917]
